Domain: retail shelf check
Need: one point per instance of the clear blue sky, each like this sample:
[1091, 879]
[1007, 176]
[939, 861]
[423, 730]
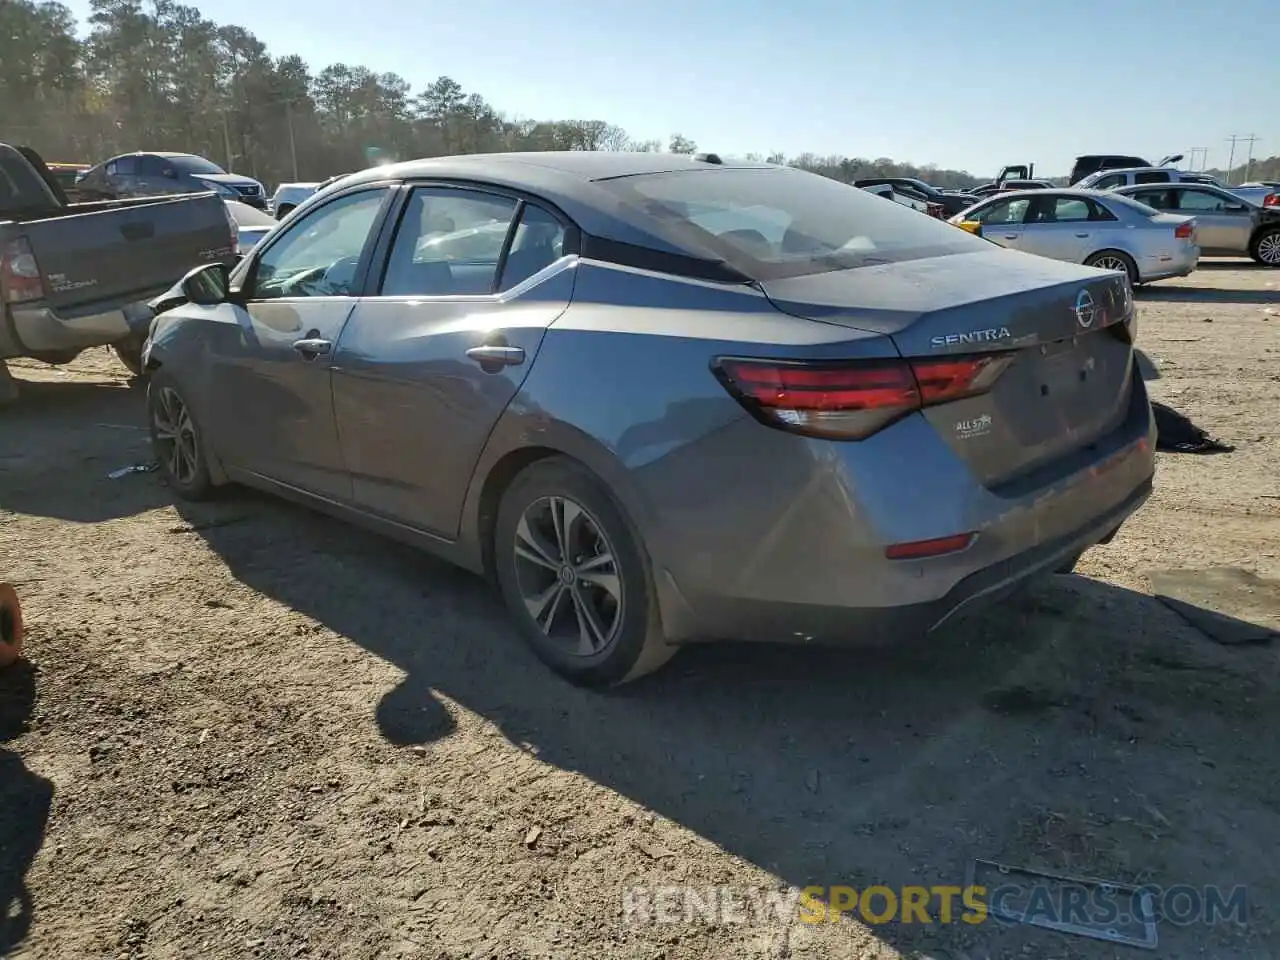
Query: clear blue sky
[964, 85]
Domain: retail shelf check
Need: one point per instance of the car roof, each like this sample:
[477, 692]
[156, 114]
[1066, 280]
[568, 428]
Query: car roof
[570, 180]
[1078, 192]
[584, 165]
[1107, 173]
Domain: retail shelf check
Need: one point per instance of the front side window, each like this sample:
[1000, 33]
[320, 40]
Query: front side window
[779, 222]
[1004, 212]
[127, 167]
[317, 256]
[1109, 182]
[449, 243]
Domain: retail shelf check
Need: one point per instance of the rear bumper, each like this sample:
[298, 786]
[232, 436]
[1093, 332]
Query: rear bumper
[813, 568]
[41, 329]
[1169, 263]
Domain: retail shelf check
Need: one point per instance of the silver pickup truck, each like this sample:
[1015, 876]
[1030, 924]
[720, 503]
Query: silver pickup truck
[75, 276]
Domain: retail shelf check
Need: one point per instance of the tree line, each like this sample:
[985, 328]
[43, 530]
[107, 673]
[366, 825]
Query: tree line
[160, 76]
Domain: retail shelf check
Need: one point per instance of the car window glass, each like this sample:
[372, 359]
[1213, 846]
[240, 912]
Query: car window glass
[150, 166]
[1058, 209]
[127, 166]
[1009, 211]
[1157, 199]
[538, 243]
[1151, 177]
[317, 255]
[1199, 200]
[448, 243]
[1098, 212]
[1109, 181]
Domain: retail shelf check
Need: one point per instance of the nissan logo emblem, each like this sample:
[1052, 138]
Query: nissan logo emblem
[1084, 309]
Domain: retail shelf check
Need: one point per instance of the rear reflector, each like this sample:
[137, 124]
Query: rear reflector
[19, 273]
[1271, 200]
[852, 399]
[1184, 231]
[921, 549]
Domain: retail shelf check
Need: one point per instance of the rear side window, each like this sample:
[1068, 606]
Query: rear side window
[449, 243]
[1154, 176]
[1006, 211]
[777, 222]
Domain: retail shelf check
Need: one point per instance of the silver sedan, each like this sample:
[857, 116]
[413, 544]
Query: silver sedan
[1094, 227]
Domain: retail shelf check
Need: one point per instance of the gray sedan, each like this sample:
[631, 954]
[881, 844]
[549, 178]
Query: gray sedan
[1226, 224]
[1093, 227]
[676, 399]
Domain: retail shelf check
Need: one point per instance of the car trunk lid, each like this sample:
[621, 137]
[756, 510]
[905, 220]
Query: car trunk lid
[1064, 327]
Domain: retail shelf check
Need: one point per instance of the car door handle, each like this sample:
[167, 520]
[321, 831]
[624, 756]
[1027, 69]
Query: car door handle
[138, 231]
[1011, 236]
[493, 356]
[1082, 236]
[313, 347]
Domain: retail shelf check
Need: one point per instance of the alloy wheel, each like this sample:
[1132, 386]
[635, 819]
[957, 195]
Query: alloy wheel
[175, 436]
[1269, 249]
[567, 575]
[1112, 263]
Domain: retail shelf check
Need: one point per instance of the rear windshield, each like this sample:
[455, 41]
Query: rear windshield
[773, 223]
[195, 165]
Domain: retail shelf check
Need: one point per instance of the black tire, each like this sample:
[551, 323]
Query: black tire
[635, 644]
[188, 476]
[285, 210]
[129, 352]
[1130, 267]
[1265, 247]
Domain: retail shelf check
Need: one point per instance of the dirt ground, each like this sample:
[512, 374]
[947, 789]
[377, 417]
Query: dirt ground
[249, 731]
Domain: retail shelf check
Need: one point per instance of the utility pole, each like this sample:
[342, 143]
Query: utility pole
[226, 140]
[1204, 159]
[1248, 164]
[293, 146]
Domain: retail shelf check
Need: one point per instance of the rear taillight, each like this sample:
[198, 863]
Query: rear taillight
[1185, 231]
[1271, 200]
[852, 399]
[19, 273]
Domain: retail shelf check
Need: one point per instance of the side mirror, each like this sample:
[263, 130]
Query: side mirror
[207, 285]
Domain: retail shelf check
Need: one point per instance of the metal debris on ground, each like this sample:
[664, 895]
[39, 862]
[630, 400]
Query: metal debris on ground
[134, 468]
[1064, 904]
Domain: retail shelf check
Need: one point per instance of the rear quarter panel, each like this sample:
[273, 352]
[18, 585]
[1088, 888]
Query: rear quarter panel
[623, 383]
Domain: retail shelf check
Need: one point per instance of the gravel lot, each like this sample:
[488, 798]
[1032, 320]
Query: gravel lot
[249, 731]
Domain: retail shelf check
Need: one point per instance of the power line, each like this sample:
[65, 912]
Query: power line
[1204, 159]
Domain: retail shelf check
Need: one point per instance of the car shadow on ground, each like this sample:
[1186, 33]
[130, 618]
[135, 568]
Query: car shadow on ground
[1170, 294]
[25, 801]
[62, 438]
[824, 767]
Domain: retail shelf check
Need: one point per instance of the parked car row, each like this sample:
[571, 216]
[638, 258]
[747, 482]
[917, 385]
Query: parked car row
[1147, 231]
